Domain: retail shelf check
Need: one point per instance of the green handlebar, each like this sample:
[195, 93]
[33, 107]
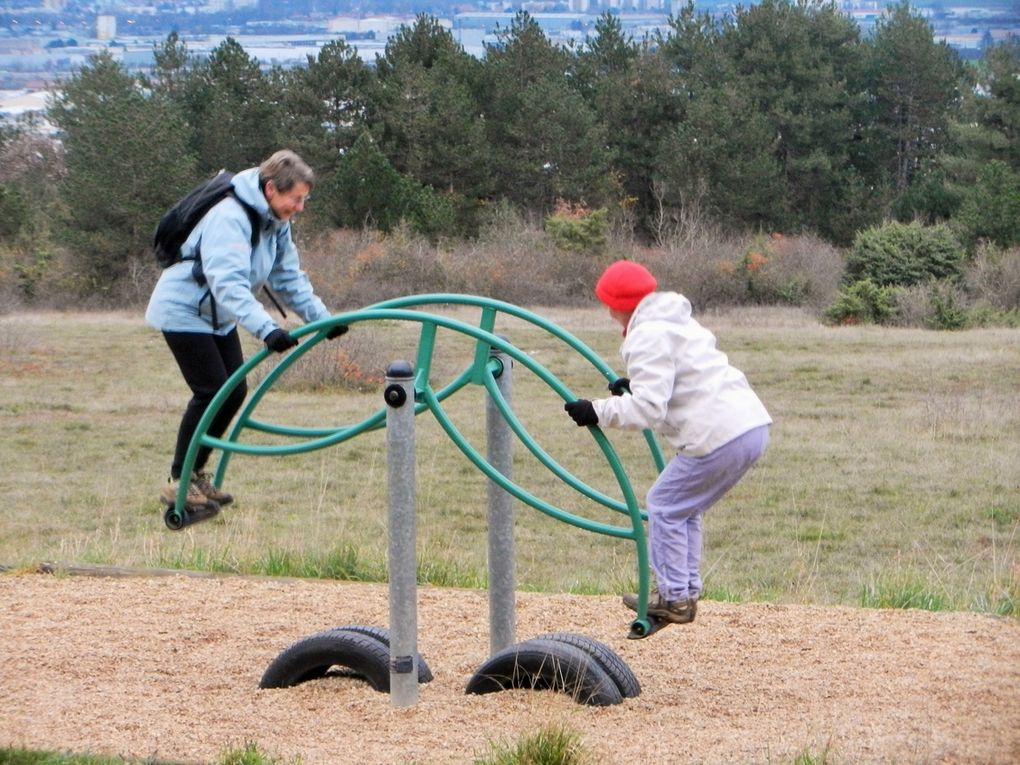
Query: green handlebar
[483, 370]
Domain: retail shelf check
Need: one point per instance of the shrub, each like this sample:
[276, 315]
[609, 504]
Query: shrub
[898, 254]
[13, 213]
[983, 316]
[575, 228]
[947, 313]
[781, 270]
[429, 212]
[913, 306]
[992, 277]
[402, 262]
[863, 302]
[357, 362]
[697, 263]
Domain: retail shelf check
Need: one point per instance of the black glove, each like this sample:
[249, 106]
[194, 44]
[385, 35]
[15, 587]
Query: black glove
[339, 329]
[582, 412]
[280, 340]
[619, 386]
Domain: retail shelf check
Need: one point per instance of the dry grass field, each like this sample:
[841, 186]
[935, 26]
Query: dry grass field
[892, 479]
[893, 466]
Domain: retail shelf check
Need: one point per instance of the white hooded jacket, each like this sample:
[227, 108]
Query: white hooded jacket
[682, 386]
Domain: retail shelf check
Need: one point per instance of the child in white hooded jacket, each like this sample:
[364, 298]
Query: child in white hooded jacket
[684, 388]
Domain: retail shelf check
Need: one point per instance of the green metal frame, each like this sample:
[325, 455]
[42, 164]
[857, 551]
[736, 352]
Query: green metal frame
[484, 370]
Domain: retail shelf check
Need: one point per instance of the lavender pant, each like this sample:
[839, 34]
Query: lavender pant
[678, 499]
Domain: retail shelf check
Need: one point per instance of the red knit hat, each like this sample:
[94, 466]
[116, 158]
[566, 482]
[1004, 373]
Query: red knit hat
[624, 284]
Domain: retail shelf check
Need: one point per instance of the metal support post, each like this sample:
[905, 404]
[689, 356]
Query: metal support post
[399, 396]
[502, 566]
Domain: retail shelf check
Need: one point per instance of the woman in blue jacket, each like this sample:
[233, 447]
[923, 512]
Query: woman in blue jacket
[198, 302]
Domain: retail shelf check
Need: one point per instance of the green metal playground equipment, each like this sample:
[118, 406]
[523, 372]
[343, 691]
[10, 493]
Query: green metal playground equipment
[484, 370]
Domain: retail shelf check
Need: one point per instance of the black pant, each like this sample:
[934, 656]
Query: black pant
[206, 361]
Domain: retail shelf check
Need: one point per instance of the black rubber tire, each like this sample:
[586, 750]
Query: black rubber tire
[547, 664]
[607, 658]
[383, 636]
[312, 658]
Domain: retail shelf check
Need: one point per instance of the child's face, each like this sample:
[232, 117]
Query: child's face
[621, 317]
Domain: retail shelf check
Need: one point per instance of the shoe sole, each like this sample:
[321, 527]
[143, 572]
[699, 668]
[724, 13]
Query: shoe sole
[191, 507]
[663, 614]
[670, 616]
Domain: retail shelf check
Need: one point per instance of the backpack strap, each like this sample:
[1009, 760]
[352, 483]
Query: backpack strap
[255, 220]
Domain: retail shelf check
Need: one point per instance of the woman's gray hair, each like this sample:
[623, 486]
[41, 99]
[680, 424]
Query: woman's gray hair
[285, 169]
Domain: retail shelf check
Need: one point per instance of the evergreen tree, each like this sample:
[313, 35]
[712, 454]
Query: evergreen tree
[915, 90]
[798, 62]
[428, 112]
[633, 94]
[325, 105]
[608, 53]
[546, 142]
[126, 160]
[172, 65]
[999, 110]
[233, 109]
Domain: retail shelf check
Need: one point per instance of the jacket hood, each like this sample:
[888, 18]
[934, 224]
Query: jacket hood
[246, 186]
[662, 306]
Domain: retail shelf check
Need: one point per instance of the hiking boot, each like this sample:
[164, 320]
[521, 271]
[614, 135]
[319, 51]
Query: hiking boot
[195, 501]
[680, 611]
[203, 482]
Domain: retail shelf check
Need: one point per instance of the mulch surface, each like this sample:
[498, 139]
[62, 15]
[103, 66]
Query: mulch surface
[168, 668]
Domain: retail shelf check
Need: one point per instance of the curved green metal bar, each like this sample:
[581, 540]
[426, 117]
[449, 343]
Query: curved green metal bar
[513, 488]
[545, 458]
[489, 308]
[325, 436]
[478, 372]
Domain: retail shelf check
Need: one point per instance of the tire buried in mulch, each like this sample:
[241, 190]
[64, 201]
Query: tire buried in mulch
[607, 658]
[547, 665]
[358, 651]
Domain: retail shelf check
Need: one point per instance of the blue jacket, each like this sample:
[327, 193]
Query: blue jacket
[234, 271]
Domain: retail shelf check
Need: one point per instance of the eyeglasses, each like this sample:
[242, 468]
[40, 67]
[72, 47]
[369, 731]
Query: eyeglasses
[293, 197]
[297, 198]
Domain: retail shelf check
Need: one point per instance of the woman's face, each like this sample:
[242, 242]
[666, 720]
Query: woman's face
[286, 205]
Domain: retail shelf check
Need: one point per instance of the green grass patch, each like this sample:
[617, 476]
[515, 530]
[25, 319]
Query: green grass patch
[32, 757]
[901, 592]
[249, 754]
[552, 745]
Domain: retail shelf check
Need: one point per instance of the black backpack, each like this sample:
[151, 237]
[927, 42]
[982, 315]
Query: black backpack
[177, 223]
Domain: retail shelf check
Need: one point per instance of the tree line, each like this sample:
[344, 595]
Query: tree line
[781, 117]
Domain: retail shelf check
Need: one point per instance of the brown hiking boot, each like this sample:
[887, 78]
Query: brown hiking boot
[195, 501]
[680, 611]
[203, 482]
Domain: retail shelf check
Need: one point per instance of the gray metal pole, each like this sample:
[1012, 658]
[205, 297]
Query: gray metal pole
[399, 396]
[502, 566]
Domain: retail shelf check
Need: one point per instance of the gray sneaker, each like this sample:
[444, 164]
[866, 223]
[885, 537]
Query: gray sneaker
[680, 611]
[203, 482]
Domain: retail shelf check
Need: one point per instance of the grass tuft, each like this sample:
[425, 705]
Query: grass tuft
[248, 755]
[903, 593]
[552, 745]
